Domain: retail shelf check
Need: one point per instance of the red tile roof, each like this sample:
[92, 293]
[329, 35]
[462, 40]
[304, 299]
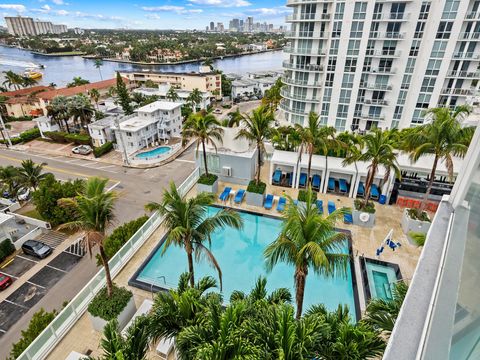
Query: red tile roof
[26, 91]
[83, 89]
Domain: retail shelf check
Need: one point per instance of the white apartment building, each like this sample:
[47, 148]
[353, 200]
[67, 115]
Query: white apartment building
[26, 26]
[162, 92]
[157, 121]
[379, 63]
[43, 27]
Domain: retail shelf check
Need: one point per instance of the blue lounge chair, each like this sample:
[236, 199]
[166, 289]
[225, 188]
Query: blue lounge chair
[361, 189]
[224, 195]
[320, 206]
[277, 176]
[347, 217]
[290, 179]
[374, 193]
[331, 207]
[239, 196]
[303, 180]
[380, 250]
[342, 185]
[281, 204]
[268, 204]
[331, 184]
[316, 182]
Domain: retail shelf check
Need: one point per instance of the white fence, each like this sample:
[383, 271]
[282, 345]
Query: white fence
[64, 321]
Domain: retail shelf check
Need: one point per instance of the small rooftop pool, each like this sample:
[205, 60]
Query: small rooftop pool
[240, 255]
[378, 278]
[151, 154]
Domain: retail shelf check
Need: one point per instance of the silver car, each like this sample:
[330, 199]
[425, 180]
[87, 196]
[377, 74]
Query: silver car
[82, 150]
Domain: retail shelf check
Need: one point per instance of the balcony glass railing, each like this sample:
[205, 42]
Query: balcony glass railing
[383, 53]
[286, 93]
[306, 67]
[464, 74]
[466, 55]
[391, 16]
[290, 81]
[373, 86]
[303, 51]
[465, 92]
[387, 35]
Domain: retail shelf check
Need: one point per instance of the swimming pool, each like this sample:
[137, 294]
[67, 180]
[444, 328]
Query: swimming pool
[154, 153]
[240, 255]
[378, 277]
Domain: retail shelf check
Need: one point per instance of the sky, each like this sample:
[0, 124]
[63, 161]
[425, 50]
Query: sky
[146, 14]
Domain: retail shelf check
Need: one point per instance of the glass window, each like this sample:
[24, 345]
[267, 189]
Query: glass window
[433, 67]
[410, 65]
[337, 29]
[350, 64]
[425, 8]
[345, 96]
[450, 9]
[356, 29]
[407, 79]
[342, 111]
[347, 81]
[438, 50]
[353, 47]
[360, 10]
[339, 10]
[444, 29]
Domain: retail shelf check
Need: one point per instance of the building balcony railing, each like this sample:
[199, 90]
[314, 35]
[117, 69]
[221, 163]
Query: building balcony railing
[305, 34]
[373, 86]
[472, 15]
[299, 2]
[383, 53]
[470, 36]
[307, 17]
[381, 102]
[287, 108]
[306, 67]
[290, 81]
[464, 92]
[300, 51]
[466, 55]
[391, 16]
[382, 70]
[287, 94]
[372, 116]
[387, 35]
[464, 74]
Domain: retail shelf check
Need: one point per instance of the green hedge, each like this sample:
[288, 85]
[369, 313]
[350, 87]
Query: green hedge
[30, 135]
[207, 180]
[20, 118]
[102, 150]
[109, 308]
[6, 249]
[14, 140]
[302, 195]
[257, 189]
[78, 139]
[56, 136]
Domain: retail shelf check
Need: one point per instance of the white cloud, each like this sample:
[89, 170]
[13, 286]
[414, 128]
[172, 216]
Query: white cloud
[17, 7]
[222, 3]
[58, 2]
[171, 8]
[153, 16]
[62, 12]
[269, 12]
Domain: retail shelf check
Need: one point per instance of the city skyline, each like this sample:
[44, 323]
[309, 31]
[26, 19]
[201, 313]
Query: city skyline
[148, 14]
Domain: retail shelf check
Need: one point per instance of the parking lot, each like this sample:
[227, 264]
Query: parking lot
[32, 290]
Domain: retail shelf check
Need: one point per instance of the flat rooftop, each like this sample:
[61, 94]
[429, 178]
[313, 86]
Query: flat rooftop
[135, 123]
[159, 105]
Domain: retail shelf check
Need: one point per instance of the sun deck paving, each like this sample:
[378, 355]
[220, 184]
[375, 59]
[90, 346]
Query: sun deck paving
[364, 241]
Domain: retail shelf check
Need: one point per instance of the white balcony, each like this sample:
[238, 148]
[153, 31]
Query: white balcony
[391, 16]
[286, 93]
[306, 67]
[386, 35]
[373, 86]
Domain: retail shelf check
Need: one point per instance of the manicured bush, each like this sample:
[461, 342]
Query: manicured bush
[109, 308]
[418, 238]
[102, 150]
[6, 249]
[14, 140]
[207, 180]
[78, 139]
[56, 136]
[412, 213]
[20, 118]
[257, 189]
[30, 135]
[302, 195]
[360, 206]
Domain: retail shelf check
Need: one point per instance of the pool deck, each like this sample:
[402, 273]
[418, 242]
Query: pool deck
[365, 241]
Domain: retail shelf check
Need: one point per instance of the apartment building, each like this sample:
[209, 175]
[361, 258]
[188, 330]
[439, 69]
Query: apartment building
[157, 121]
[379, 63]
[26, 26]
[203, 81]
[183, 95]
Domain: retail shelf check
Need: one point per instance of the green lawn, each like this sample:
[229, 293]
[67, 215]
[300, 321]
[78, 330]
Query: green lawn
[33, 214]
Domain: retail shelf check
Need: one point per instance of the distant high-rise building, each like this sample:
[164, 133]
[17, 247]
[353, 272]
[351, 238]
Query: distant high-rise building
[249, 24]
[26, 26]
[220, 27]
[235, 25]
[240, 25]
[43, 27]
[212, 26]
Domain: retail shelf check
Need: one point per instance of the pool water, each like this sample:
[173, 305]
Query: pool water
[154, 153]
[240, 255]
[380, 280]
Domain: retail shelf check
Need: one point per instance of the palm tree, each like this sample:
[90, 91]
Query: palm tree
[235, 118]
[13, 79]
[9, 179]
[132, 346]
[80, 108]
[95, 96]
[308, 240]
[172, 94]
[257, 128]
[30, 174]
[285, 138]
[78, 81]
[205, 129]
[93, 208]
[190, 226]
[195, 98]
[28, 81]
[98, 64]
[382, 314]
[273, 96]
[379, 150]
[59, 111]
[443, 137]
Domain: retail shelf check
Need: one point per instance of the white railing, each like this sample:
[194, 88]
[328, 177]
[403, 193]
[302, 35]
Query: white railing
[66, 319]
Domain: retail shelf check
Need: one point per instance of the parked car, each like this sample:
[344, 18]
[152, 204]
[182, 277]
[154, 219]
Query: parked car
[36, 248]
[5, 281]
[23, 194]
[82, 150]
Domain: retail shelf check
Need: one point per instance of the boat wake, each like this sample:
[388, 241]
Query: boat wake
[19, 63]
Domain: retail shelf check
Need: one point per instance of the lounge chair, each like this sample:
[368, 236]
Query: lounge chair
[320, 206]
[277, 177]
[225, 194]
[268, 204]
[281, 204]
[374, 193]
[239, 196]
[290, 178]
[347, 217]
[303, 180]
[316, 182]
[342, 185]
[380, 250]
[361, 189]
[331, 207]
[331, 184]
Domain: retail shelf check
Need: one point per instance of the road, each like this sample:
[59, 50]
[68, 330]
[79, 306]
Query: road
[134, 187]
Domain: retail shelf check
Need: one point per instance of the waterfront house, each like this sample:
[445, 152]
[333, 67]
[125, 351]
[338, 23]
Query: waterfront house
[24, 102]
[101, 130]
[183, 95]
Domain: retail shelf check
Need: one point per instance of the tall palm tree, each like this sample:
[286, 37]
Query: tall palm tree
[205, 129]
[310, 136]
[9, 179]
[382, 314]
[190, 226]
[80, 109]
[30, 174]
[13, 79]
[286, 138]
[257, 128]
[443, 138]
[235, 118]
[95, 96]
[59, 111]
[78, 81]
[308, 240]
[272, 97]
[98, 64]
[28, 81]
[195, 98]
[172, 94]
[93, 209]
[378, 150]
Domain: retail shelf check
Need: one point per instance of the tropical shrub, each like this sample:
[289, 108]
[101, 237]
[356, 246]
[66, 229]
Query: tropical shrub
[56, 136]
[207, 179]
[109, 308]
[361, 206]
[6, 249]
[303, 195]
[418, 238]
[30, 134]
[102, 150]
[78, 139]
[259, 188]
[20, 118]
[414, 215]
[14, 140]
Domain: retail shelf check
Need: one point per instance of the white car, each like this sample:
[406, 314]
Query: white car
[82, 150]
[23, 194]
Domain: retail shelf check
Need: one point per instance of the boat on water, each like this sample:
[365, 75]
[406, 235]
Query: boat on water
[32, 74]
